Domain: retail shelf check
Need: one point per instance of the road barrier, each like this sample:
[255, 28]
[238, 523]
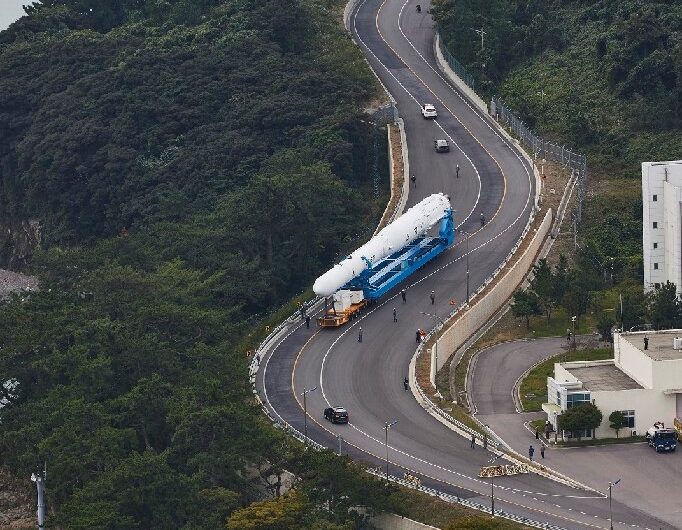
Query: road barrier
[503, 470]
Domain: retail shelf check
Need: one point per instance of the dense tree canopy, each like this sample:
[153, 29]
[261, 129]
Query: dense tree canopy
[193, 164]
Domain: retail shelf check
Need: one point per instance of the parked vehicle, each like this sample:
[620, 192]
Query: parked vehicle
[441, 146]
[336, 414]
[660, 438]
[429, 111]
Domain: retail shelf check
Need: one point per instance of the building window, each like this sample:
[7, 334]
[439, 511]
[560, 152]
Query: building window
[655, 266]
[655, 224]
[629, 416]
[655, 198]
[573, 400]
[558, 398]
[655, 245]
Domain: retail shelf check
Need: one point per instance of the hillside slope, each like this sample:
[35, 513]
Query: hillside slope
[192, 164]
[604, 77]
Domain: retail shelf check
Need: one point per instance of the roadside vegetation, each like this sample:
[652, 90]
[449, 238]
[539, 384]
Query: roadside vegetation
[192, 164]
[603, 77]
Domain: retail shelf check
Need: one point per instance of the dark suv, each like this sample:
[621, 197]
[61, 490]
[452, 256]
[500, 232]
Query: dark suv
[336, 415]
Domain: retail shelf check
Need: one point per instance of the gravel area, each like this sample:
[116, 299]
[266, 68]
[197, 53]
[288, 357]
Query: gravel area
[12, 282]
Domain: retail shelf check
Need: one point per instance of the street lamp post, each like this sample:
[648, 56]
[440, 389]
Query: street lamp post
[573, 319]
[387, 426]
[492, 485]
[467, 259]
[435, 343]
[611, 485]
[305, 412]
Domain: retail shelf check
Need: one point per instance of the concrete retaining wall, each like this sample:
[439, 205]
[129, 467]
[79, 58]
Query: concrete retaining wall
[469, 321]
[461, 85]
[390, 521]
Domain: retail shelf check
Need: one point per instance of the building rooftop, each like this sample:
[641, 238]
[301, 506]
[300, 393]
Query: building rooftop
[602, 377]
[660, 344]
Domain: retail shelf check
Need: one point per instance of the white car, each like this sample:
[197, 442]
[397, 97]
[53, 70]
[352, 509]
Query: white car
[429, 111]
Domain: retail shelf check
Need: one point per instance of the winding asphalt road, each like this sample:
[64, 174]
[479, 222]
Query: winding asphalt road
[367, 378]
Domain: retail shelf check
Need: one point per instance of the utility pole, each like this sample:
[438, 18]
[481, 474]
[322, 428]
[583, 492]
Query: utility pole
[39, 478]
[482, 34]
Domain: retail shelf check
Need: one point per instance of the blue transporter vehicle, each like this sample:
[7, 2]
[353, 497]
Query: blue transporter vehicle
[660, 438]
[385, 274]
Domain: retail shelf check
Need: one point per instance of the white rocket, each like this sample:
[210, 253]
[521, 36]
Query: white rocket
[413, 224]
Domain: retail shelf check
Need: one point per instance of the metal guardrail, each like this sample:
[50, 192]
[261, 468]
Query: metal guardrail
[457, 66]
[454, 499]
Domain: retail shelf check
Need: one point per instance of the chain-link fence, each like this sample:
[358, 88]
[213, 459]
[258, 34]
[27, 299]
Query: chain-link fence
[456, 66]
[538, 146]
[542, 148]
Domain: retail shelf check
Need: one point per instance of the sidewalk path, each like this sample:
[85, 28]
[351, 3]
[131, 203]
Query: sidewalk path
[648, 479]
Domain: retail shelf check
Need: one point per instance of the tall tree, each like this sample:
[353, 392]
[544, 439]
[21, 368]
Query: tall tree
[580, 418]
[543, 285]
[525, 305]
[665, 309]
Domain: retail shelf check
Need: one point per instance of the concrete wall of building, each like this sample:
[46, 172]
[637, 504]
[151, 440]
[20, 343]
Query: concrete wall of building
[661, 205]
[649, 406]
[632, 361]
[667, 375]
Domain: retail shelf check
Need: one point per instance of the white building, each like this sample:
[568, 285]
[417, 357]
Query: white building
[644, 384]
[661, 234]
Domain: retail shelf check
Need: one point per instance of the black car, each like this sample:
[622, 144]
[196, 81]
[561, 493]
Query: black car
[336, 414]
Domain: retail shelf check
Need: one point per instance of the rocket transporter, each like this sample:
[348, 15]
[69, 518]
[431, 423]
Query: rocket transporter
[391, 256]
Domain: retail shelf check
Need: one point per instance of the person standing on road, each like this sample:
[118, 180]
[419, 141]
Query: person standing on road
[403, 294]
[395, 315]
[406, 384]
[433, 297]
[531, 452]
[482, 219]
[473, 441]
[360, 335]
[419, 336]
[457, 171]
[542, 452]
[537, 434]
[413, 178]
[307, 321]
[568, 335]
[485, 441]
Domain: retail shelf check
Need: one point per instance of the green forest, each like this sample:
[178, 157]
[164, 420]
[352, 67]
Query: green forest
[192, 165]
[604, 77]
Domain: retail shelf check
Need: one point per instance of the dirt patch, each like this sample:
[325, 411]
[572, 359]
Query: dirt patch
[17, 507]
[14, 282]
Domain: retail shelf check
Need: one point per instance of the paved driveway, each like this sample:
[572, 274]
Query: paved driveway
[650, 481]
